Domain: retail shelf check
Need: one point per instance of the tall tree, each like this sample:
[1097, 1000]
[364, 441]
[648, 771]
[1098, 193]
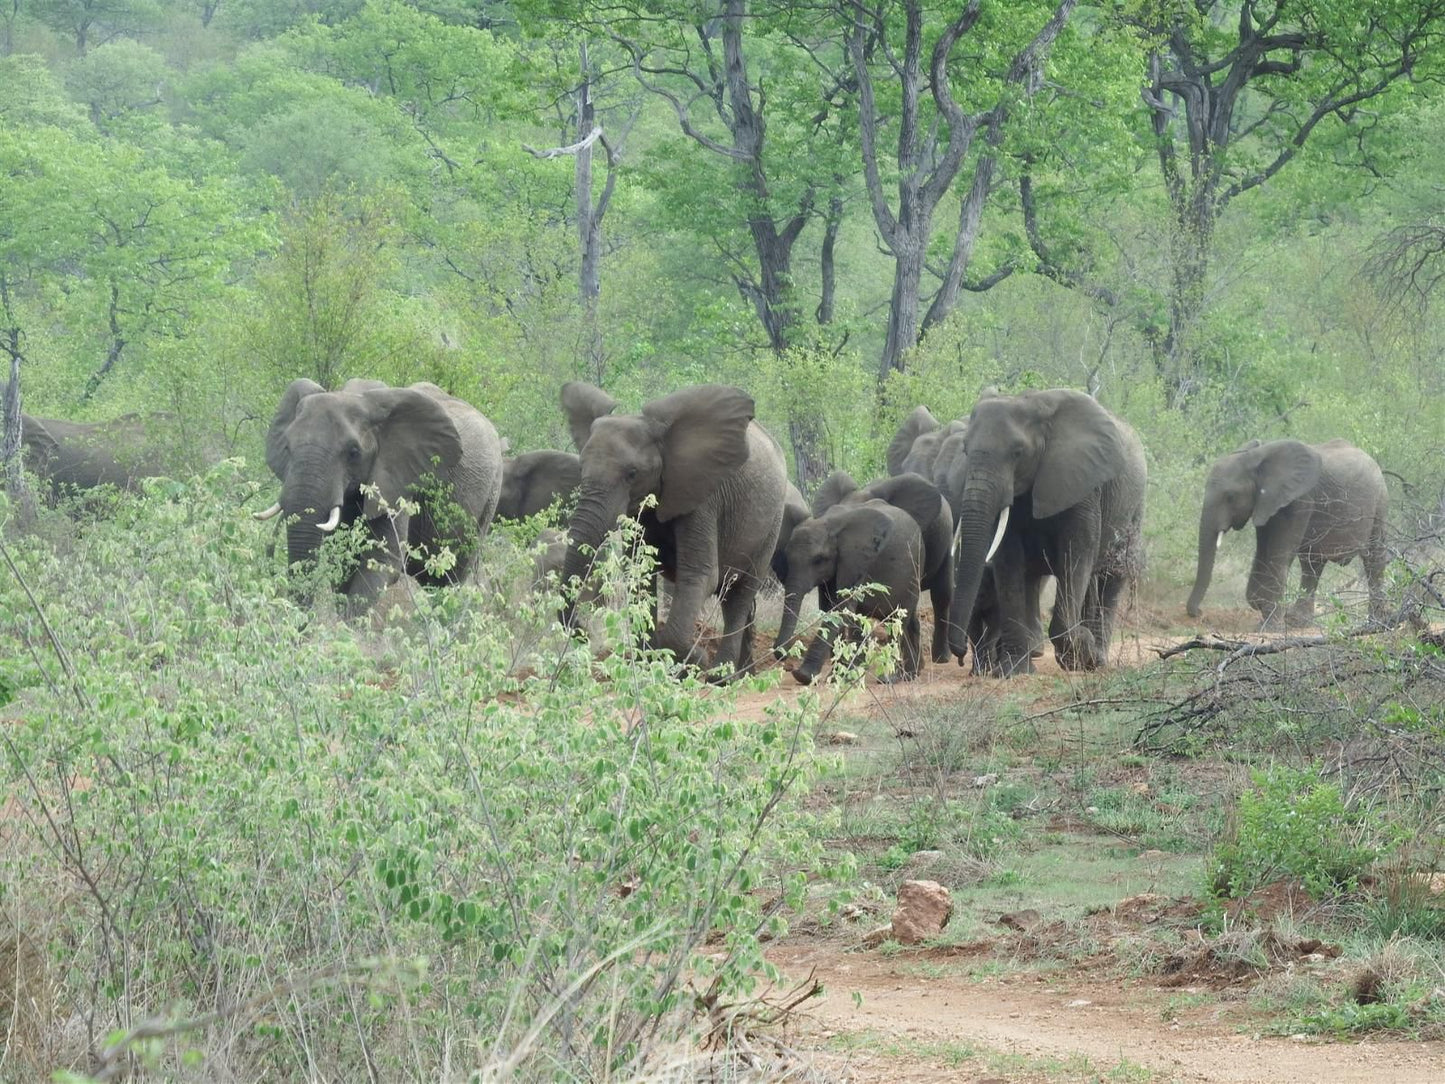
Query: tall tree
[935, 137]
[708, 65]
[1233, 93]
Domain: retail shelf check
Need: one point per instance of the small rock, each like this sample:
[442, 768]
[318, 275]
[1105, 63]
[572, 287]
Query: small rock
[1141, 788]
[1091, 810]
[1078, 1003]
[1023, 920]
[988, 780]
[842, 737]
[1153, 856]
[924, 908]
[926, 856]
[874, 938]
[1299, 1037]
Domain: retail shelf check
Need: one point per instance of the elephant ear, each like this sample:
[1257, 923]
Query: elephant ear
[836, 488]
[1083, 449]
[1287, 470]
[583, 404]
[414, 436]
[703, 434]
[863, 532]
[951, 462]
[277, 453]
[911, 493]
[914, 426]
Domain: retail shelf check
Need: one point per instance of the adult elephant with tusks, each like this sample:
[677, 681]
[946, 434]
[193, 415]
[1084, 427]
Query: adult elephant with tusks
[719, 483]
[1318, 502]
[1052, 481]
[417, 443]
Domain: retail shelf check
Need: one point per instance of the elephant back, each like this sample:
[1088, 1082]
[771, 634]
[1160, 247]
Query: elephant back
[477, 477]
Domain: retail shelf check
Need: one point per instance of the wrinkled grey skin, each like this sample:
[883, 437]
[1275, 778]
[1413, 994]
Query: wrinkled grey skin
[853, 543]
[1073, 477]
[325, 445]
[551, 556]
[1318, 502]
[916, 447]
[720, 484]
[534, 481]
[921, 443]
[921, 500]
[84, 455]
[795, 510]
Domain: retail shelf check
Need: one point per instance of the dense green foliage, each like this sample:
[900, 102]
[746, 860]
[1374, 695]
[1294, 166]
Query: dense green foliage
[420, 845]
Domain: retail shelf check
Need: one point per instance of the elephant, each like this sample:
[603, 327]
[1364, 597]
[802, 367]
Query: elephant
[417, 442]
[1057, 482]
[534, 481]
[551, 546]
[853, 543]
[916, 447]
[85, 455]
[719, 481]
[795, 510]
[920, 499]
[1318, 502]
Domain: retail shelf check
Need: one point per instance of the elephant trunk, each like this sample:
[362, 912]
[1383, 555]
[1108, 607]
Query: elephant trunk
[1210, 534]
[792, 603]
[313, 505]
[978, 514]
[596, 513]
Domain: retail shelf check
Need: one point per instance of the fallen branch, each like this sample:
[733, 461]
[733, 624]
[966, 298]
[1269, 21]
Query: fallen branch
[1246, 649]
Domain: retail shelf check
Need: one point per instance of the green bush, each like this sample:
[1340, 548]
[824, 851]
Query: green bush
[295, 839]
[1294, 824]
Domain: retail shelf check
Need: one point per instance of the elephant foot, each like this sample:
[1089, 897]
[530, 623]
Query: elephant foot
[1003, 664]
[942, 656]
[1078, 652]
[897, 677]
[1037, 651]
[804, 677]
[1301, 614]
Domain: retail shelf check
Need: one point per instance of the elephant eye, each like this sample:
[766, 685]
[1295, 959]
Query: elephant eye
[354, 451]
[632, 474]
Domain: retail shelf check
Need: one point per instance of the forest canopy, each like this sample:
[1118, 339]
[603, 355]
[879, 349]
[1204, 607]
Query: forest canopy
[1215, 217]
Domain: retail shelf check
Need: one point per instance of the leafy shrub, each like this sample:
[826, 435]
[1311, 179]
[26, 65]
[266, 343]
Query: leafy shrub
[389, 851]
[1295, 824]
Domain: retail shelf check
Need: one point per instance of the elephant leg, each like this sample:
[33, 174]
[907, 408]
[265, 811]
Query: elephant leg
[678, 631]
[817, 655]
[1276, 544]
[1311, 566]
[1033, 589]
[1011, 646]
[380, 563]
[941, 594]
[735, 652]
[910, 649]
[1375, 558]
[1075, 546]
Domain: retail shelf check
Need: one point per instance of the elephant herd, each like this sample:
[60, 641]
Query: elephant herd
[979, 512]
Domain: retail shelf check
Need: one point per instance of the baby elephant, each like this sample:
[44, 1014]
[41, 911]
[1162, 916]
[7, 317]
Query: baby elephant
[849, 545]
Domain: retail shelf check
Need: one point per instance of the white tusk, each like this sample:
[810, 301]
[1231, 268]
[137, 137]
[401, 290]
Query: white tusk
[330, 524]
[998, 535]
[1219, 541]
[274, 510]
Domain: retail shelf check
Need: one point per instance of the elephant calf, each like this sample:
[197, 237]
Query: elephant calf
[851, 544]
[534, 481]
[1318, 502]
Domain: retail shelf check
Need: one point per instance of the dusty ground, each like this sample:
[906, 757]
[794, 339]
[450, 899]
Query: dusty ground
[916, 1015]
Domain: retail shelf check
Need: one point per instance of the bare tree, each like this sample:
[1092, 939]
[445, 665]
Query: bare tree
[1267, 74]
[931, 151]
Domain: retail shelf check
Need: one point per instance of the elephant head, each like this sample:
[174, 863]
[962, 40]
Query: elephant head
[533, 481]
[919, 443]
[324, 446]
[838, 548]
[1045, 451]
[1252, 485]
[795, 510]
[678, 449]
